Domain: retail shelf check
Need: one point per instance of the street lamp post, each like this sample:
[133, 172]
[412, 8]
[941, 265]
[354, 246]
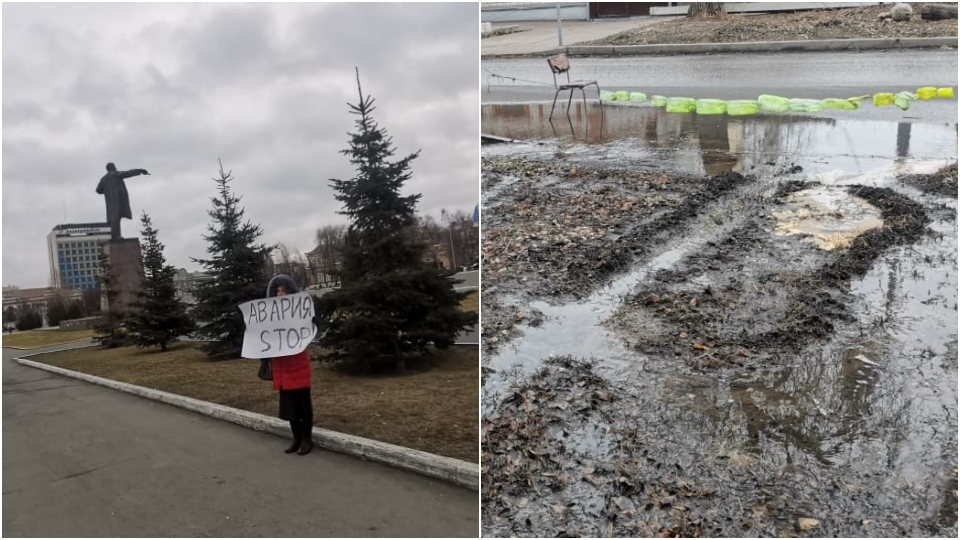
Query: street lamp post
[559, 30]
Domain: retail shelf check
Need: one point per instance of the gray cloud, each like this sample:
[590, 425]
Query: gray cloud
[174, 87]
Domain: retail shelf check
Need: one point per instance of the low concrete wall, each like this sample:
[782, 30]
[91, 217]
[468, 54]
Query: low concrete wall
[579, 11]
[80, 324]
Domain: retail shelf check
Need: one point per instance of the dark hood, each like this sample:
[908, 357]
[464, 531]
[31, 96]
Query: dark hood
[288, 283]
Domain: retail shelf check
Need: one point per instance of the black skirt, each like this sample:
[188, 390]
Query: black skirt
[296, 405]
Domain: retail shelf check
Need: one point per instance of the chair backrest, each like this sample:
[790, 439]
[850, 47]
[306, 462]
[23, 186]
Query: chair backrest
[559, 64]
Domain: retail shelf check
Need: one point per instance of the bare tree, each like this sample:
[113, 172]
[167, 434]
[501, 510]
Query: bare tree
[328, 257]
[706, 9]
[290, 263]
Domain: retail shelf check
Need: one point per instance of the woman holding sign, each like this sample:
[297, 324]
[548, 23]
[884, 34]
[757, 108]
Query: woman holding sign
[291, 376]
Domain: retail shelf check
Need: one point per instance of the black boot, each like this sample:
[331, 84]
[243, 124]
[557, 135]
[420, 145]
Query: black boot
[306, 439]
[297, 437]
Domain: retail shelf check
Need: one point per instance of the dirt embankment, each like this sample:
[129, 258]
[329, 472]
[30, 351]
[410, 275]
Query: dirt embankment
[847, 23]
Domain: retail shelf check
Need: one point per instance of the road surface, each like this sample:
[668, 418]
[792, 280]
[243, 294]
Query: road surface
[84, 460]
[744, 76]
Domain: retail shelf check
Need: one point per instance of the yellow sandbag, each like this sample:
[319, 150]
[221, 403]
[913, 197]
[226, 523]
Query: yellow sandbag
[742, 107]
[711, 106]
[927, 92]
[946, 92]
[842, 104]
[681, 105]
[637, 97]
[770, 103]
[658, 101]
[606, 95]
[623, 95]
[882, 99]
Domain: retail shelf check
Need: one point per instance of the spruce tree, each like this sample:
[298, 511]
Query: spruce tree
[110, 332]
[390, 305]
[235, 273]
[158, 316]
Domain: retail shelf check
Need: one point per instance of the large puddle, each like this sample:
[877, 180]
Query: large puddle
[855, 429]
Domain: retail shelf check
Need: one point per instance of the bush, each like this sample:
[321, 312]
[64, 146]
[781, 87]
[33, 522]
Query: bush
[29, 320]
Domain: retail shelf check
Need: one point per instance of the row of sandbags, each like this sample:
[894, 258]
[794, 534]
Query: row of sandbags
[775, 104]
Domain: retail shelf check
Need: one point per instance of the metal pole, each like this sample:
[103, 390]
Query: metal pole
[453, 256]
[559, 30]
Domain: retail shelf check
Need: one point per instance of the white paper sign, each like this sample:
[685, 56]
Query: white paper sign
[278, 326]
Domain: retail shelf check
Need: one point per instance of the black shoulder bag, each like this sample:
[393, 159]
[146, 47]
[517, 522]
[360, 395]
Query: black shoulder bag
[266, 370]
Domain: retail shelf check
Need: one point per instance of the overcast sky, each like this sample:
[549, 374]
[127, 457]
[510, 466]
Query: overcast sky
[171, 88]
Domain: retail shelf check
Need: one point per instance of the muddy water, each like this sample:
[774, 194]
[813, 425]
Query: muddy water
[857, 430]
[714, 144]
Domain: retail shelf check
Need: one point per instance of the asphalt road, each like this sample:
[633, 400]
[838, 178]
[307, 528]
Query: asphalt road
[744, 76]
[82, 460]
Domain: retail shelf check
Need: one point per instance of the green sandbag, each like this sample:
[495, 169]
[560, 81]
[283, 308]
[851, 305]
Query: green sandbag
[623, 95]
[681, 105]
[909, 96]
[742, 107]
[806, 105]
[842, 104]
[711, 106]
[901, 101]
[770, 103]
[606, 95]
[637, 97]
[658, 101]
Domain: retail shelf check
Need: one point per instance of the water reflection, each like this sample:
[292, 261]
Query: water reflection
[715, 144]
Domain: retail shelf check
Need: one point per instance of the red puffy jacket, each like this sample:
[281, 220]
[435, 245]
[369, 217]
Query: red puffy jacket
[291, 372]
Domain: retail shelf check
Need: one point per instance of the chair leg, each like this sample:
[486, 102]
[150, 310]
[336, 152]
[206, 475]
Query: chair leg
[554, 103]
[584, 92]
[598, 97]
[569, 101]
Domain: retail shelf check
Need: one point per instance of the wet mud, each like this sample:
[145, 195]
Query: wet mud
[570, 453]
[564, 228]
[762, 343]
[942, 182]
[754, 296]
[716, 327]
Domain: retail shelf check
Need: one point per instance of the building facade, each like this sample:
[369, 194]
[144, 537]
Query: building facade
[16, 300]
[74, 251]
[186, 284]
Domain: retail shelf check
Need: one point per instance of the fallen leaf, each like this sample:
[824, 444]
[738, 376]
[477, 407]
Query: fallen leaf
[806, 524]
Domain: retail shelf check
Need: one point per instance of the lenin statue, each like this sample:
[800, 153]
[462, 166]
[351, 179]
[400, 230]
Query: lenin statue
[114, 191]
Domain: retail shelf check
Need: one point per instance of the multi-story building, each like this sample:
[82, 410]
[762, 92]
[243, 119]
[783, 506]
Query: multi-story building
[74, 250]
[186, 284]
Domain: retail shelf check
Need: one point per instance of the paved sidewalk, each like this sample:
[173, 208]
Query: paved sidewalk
[541, 36]
[82, 460]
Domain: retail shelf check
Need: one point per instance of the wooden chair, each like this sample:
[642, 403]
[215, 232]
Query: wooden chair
[561, 64]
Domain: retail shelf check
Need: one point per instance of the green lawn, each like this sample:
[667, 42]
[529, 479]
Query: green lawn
[36, 339]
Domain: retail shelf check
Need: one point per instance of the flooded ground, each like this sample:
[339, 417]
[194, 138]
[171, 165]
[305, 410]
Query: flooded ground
[704, 326]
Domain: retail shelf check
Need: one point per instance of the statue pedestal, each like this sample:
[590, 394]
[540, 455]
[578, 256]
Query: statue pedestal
[126, 265]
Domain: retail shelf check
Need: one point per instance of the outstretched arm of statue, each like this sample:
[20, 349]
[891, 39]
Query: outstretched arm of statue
[134, 172]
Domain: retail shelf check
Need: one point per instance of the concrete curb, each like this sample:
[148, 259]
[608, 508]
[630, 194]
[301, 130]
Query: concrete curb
[443, 468]
[758, 46]
[45, 346]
